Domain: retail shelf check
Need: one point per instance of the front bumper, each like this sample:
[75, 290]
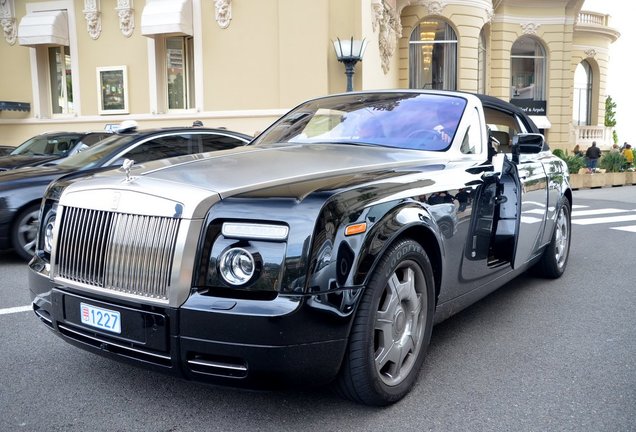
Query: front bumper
[244, 343]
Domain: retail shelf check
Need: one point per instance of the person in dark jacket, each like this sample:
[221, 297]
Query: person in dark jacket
[592, 154]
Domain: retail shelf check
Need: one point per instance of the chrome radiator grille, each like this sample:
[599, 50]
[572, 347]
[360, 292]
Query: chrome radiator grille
[127, 253]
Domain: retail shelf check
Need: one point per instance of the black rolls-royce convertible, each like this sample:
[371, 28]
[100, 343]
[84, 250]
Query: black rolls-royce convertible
[323, 252]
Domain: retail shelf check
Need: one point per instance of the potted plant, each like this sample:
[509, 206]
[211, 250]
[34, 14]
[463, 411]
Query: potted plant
[613, 163]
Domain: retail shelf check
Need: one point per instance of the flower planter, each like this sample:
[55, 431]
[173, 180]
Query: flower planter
[615, 179]
[596, 180]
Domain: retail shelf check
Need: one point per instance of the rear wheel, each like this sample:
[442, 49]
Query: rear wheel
[555, 257]
[392, 328]
[25, 231]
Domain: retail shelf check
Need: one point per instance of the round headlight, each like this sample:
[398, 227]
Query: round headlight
[237, 266]
[48, 232]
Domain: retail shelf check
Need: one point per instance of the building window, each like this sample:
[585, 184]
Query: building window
[481, 63]
[433, 56]
[582, 111]
[61, 80]
[527, 69]
[180, 72]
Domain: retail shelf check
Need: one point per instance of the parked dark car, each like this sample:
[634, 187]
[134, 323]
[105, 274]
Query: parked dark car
[49, 147]
[5, 150]
[21, 190]
[323, 252]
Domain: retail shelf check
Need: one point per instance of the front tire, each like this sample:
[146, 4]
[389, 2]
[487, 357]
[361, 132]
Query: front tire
[392, 328]
[555, 257]
[25, 231]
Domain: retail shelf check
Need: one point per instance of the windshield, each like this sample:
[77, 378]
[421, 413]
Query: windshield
[97, 155]
[403, 120]
[42, 145]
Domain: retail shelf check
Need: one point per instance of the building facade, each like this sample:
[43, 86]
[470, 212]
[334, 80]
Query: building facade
[88, 64]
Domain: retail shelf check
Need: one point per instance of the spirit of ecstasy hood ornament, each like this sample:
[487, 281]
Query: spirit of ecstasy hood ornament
[126, 167]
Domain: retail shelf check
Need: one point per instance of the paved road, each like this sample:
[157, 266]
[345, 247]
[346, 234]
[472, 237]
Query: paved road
[534, 356]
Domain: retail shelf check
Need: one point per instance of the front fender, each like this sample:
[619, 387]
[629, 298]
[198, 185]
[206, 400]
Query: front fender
[411, 219]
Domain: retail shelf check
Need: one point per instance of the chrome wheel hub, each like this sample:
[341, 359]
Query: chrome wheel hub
[399, 323]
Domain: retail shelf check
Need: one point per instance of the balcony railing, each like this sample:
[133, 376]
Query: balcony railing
[601, 134]
[593, 18]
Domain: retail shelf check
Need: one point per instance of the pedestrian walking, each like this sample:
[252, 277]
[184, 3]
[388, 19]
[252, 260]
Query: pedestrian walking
[592, 154]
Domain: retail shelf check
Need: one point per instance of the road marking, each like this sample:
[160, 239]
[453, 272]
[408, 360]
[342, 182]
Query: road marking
[601, 220]
[598, 212]
[530, 219]
[16, 310]
[631, 228]
[578, 206]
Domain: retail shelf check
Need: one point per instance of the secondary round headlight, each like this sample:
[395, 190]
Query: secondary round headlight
[49, 223]
[47, 226]
[237, 266]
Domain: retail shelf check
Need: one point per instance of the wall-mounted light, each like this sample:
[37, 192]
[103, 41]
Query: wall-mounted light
[349, 52]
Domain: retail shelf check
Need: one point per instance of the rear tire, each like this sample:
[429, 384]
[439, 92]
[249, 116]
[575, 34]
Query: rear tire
[25, 231]
[391, 330]
[555, 257]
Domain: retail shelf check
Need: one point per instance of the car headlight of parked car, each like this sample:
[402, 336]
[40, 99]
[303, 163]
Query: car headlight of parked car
[246, 256]
[47, 225]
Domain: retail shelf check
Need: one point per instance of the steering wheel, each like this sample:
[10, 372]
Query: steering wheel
[428, 137]
[424, 134]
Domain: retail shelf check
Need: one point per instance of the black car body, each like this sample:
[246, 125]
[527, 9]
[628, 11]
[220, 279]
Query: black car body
[49, 148]
[325, 251]
[21, 190]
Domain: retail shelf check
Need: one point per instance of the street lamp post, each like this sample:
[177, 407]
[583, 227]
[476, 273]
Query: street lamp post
[349, 52]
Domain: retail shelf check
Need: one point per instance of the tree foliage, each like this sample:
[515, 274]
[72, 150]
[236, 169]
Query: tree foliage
[610, 112]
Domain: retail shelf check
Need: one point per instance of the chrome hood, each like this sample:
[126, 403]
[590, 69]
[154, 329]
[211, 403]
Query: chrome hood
[196, 182]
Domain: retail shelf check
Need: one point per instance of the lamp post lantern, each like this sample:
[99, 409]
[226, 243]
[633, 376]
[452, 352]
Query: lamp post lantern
[349, 52]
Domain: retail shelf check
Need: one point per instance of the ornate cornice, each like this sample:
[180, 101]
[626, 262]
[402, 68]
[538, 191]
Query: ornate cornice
[490, 14]
[223, 12]
[435, 7]
[590, 52]
[8, 21]
[529, 28]
[126, 15]
[93, 18]
[387, 22]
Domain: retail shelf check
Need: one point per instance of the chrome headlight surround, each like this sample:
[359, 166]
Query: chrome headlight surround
[245, 257]
[238, 265]
[46, 232]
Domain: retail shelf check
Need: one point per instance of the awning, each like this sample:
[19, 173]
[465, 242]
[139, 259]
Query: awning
[167, 17]
[43, 28]
[15, 106]
[542, 122]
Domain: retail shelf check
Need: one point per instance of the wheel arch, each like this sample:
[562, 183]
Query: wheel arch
[418, 226]
[430, 243]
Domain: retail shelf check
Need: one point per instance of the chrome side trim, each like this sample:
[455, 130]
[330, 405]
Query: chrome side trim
[218, 365]
[108, 342]
[40, 315]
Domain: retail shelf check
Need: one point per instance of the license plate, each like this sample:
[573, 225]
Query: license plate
[100, 318]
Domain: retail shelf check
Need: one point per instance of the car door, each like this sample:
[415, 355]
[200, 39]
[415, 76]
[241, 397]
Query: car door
[510, 204]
